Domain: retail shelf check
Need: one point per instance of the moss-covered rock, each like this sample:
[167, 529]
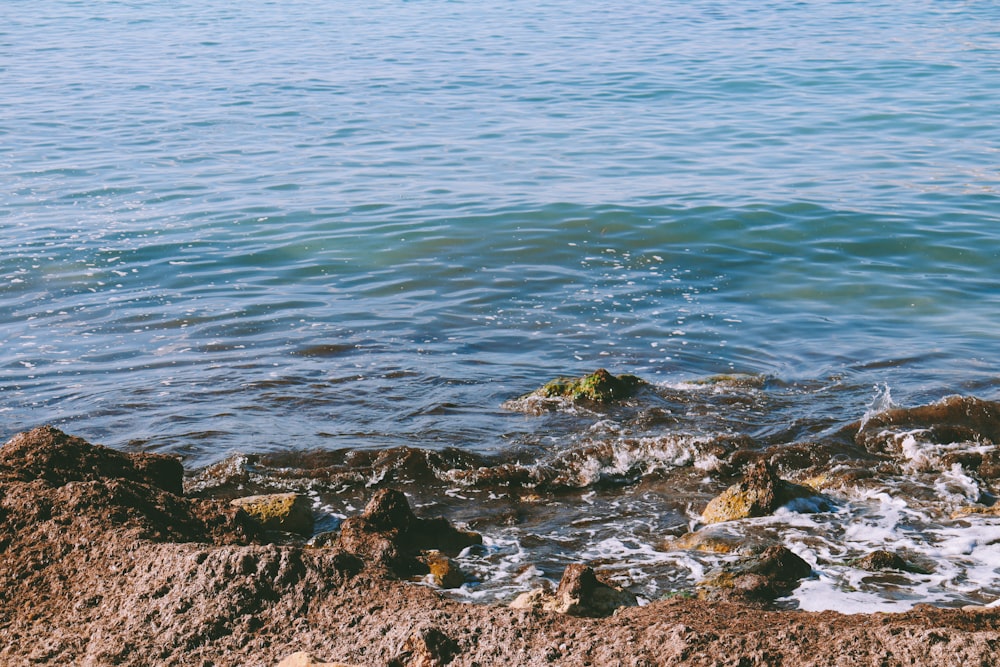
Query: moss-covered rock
[284, 512]
[600, 387]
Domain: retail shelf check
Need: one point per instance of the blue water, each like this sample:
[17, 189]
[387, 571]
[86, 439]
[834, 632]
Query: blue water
[356, 224]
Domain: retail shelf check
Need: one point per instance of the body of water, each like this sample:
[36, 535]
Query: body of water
[320, 245]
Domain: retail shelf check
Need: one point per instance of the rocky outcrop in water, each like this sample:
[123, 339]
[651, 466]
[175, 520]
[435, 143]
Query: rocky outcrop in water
[759, 494]
[599, 387]
[759, 579]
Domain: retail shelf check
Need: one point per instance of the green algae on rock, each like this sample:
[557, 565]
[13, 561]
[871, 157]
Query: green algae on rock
[597, 387]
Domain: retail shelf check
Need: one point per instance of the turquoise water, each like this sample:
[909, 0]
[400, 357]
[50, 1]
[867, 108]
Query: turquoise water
[284, 227]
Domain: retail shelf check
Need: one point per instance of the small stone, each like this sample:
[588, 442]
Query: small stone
[443, 570]
[533, 599]
[284, 512]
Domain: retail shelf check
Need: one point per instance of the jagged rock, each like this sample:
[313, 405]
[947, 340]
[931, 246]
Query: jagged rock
[48, 454]
[427, 648]
[952, 419]
[880, 560]
[62, 489]
[303, 659]
[759, 494]
[388, 534]
[980, 510]
[443, 570]
[580, 593]
[772, 574]
[284, 512]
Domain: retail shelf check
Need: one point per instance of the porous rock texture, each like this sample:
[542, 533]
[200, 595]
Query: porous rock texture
[103, 562]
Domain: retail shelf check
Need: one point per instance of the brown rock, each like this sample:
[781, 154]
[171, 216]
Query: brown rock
[284, 512]
[388, 534]
[426, 648]
[880, 560]
[772, 574]
[580, 593]
[48, 454]
[759, 494]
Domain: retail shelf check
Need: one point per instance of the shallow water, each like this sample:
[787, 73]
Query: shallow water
[284, 229]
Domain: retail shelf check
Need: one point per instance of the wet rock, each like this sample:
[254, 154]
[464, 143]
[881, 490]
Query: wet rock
[580, 593]
[284, 512]
[427, 648]
[772, 574]
[303, 659]
[598, 387]
[388, 534]
[759, 494]
[715, 539]
[952, 419]
[881, 560]
[443, 570]
[978, 510]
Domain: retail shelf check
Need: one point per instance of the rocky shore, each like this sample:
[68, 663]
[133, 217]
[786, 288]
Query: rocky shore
[106, 562]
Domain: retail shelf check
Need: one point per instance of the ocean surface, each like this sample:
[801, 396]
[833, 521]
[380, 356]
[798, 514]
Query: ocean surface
[324, 245]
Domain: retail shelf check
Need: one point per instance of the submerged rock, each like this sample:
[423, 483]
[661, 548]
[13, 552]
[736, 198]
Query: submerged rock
[580, 593]
[769, 575]
[880, 560]
[759, 494]
[388, 534]
[952, 419]
[284, 512]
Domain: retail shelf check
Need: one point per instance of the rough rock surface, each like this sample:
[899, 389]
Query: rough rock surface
[758, 579]
[100, 564]
[388, 534]
[759, 494]
[282, 512]
[598, 387]
[580, 593]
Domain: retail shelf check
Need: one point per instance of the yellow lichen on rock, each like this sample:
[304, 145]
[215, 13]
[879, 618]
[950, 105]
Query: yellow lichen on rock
[285, 512]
